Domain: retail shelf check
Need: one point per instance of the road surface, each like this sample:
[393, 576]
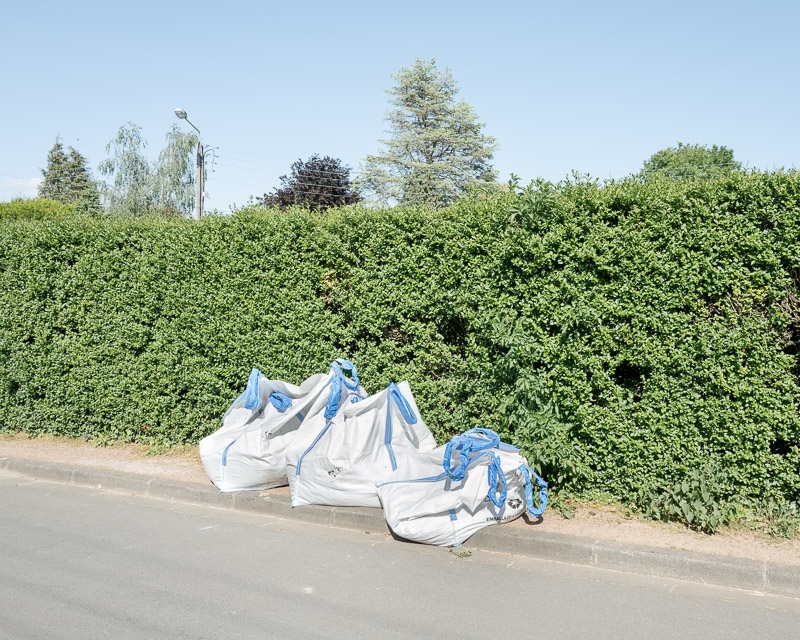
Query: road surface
[83, 563]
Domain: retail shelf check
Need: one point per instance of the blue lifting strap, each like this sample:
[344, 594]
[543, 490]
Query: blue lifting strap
[280, 401]
[395, 394]
[338, 380]
[495, 474]
[528, 472]
[251, 399]
[472, 441]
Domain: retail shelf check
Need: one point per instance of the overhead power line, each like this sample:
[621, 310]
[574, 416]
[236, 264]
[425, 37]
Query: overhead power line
[318, 172]
[320, 175]
[325, 186]
[696, 166]
[317, 194]
[270, 162]
[8, 175]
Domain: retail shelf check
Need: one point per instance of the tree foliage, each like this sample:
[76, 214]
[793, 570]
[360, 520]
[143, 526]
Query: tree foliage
[176, 172]
[140, 187]
[32, 209]
[318, 183]
[437, 148]
[131, 191]
[67, 178]
[690, 161]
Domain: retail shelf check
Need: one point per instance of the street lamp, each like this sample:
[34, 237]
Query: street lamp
[198, 198]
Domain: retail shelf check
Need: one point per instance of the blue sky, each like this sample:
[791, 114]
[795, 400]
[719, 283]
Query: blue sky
[587, 86]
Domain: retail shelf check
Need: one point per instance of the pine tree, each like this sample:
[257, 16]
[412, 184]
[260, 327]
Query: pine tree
[80, 185]
[437, 149]
[55, 176]
[67, 177]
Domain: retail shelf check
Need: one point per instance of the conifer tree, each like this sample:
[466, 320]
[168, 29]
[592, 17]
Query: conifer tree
[437, 148]
[80, 184]
[54, 177]
[67, 177]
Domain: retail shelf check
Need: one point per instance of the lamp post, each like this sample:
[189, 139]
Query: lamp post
[198, 198]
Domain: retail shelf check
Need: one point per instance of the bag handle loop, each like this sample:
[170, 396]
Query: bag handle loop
[495, 474]
[462, 447]
[471, 441]
[339, 379]
[280, 401]
[528, 472]
[346, 364]
[406, 411]
[482, 439]
[250, 395]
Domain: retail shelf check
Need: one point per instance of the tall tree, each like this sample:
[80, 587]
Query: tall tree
[318, 183]
[176, 173]
[689, 161]
[67, 177]
[139, 187]
[132, 190]
[437, 148]
[54, 177]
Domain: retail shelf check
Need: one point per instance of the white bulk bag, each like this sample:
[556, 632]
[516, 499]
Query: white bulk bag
[338, 461]
[436, 503]
[248, 452]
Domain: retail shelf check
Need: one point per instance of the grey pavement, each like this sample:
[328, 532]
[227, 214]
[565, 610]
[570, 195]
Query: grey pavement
[78, 562]
[741, 573]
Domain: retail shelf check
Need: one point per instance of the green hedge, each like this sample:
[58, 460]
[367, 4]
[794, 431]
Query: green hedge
[638, 340]
[32, 209]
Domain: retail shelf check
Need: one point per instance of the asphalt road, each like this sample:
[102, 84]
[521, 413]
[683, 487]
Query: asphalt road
[81, 563]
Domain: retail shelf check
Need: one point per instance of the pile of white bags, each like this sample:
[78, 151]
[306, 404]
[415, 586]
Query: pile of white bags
[338, 461]
[249, 451]
[335, 445]
[438, 503]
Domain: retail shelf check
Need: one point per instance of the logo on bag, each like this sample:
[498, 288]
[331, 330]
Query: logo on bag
[334, 472]
[501, 518]
[515, 503]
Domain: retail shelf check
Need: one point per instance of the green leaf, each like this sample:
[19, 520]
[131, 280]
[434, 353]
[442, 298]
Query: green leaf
[687, 511]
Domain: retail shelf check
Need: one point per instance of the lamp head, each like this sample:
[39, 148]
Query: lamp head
[180, 113]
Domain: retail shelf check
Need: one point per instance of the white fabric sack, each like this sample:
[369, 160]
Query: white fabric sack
[248, 452]
[436, 503]
[338, 461]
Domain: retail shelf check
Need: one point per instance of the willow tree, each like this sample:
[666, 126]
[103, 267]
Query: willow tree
[175, 175]
[131, 190]
[139, 187]
[437, 148]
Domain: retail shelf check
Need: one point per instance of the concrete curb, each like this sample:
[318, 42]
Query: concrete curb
[739, 573]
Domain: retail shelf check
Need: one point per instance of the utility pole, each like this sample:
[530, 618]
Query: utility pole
[198, 196]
